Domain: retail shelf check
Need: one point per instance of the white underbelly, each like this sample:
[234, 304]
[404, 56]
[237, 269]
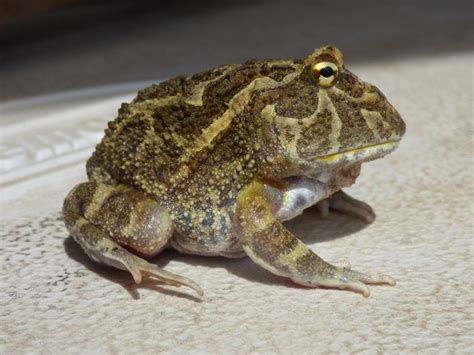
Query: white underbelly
[304, 194]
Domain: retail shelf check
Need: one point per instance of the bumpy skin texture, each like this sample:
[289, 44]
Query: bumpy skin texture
[211, 164]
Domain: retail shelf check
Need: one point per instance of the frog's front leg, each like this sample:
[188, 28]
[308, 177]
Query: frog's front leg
[268, 243]
[110, 222]
[342, 202]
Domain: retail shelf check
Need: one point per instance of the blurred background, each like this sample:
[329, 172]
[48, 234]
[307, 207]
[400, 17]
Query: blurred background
[53, 45]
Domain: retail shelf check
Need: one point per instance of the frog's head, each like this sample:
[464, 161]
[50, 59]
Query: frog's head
[326, 114]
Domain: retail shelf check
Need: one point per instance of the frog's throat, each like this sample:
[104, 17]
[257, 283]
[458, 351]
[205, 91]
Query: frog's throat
[366, 153]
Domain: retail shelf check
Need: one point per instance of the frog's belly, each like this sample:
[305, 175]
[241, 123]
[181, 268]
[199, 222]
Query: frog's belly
[302, 193]
[305, 193]
[209, 240]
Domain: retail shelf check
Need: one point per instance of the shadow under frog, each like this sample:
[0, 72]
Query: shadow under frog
[308, 226]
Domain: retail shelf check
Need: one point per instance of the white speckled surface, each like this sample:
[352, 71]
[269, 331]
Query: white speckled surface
[53, 298]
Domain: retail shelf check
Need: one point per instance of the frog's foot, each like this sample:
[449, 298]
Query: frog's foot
[345, 278]
[110, 222]
[110, 253]
[101, 248]
[342, 202]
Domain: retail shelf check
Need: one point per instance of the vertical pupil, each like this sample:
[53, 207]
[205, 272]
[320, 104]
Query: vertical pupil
[326, 72]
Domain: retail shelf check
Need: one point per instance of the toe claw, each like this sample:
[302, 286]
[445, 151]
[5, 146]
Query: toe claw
[196, 288]
[358, 286]
[390, 280]
[134, 270]
[172, 279]
[137, 276]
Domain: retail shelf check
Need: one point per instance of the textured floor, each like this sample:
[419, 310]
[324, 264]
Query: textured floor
[53, 298]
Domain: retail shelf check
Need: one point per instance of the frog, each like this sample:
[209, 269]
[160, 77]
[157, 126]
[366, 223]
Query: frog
[214, 163]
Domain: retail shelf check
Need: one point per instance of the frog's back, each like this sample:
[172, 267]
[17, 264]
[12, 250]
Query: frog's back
[171, 129]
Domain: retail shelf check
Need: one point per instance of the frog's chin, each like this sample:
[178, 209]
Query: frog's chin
[362, 154]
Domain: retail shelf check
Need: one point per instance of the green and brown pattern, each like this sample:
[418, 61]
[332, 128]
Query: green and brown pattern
[173, 166]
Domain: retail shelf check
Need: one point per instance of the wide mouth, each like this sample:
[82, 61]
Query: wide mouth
[368, 152]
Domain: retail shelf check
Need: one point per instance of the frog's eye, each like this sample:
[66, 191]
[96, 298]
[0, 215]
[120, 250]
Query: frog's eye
[324, 73]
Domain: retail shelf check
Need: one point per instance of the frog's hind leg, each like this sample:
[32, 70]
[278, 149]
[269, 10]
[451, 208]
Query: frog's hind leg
[268, 243]
[110, 222]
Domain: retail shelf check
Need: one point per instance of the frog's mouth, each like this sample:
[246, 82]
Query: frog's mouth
[369, 152]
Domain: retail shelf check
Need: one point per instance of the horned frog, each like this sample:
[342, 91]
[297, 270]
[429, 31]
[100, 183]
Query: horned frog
[212, 164]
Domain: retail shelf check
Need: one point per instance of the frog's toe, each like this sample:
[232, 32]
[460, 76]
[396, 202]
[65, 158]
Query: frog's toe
[342, 202]
[356, 281]
[344, 278]
[339, 279]
[165, 276]
[323, 209]
[134, 271]
[356, 286]
[112, 254]
[373, 279]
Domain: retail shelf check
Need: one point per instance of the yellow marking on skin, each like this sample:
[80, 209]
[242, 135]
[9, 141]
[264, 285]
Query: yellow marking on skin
[287, 125]
[136, 217]
[257, 211]
[282, 63]
[102, 193]
[367, 97]
[152, 104]
[372, 118]
[120, 187]
[290, 259]
[259, 261]
[293, 127]
[263, 222]
[325, 103]
[106, 244]
[236, 105]
[79, 223]
[195, 98]
[269, 113]
[351, 154]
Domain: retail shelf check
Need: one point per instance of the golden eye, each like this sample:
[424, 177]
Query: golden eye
[324, 73]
